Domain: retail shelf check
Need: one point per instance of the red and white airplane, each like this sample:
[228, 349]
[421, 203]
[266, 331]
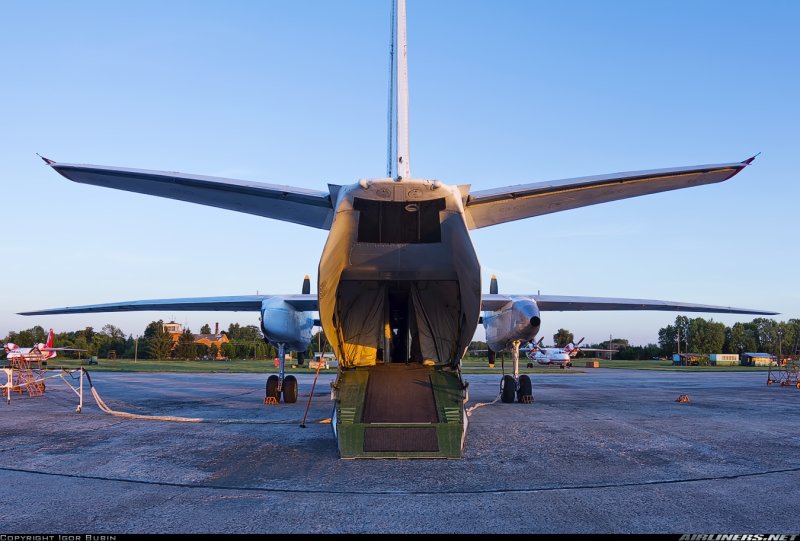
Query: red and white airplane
[561, 357]
[39, 352]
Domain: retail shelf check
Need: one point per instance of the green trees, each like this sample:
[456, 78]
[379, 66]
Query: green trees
[205, 329]
[706, 336]
[668, 337]
[159, 341]
[247, 333]
[28, 337]
[186, 348]
[740, 338]
[699, 335]
[562, 338]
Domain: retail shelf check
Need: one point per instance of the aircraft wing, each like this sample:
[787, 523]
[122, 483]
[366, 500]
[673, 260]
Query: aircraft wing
[242, 303]
[500, 205]
[562, 303]
[298, 205]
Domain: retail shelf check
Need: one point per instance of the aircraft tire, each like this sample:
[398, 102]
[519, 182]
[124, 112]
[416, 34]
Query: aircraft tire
[272, 388]
[508, 388]
[525, 387]
[290, 390]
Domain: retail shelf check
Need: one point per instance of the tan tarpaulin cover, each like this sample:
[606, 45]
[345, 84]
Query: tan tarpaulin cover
[360, 311]
[437, 312]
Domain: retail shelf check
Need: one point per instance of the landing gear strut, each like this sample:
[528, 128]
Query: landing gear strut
[281, 384]
[520, 386]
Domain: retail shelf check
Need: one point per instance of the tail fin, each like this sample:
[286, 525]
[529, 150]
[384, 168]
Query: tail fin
[49, 343]
[399, 167]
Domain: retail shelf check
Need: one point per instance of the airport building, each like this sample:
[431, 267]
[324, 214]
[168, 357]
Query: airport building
[758, 359]
[216, 339]
[724, 359]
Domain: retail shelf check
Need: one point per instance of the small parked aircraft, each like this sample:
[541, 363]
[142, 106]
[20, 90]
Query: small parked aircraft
[562, 357]
[39, 352]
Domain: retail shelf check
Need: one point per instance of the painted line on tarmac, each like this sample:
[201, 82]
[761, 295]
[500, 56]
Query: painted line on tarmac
[410, 492]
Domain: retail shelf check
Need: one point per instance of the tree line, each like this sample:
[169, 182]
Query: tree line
[697, 335]
[706, 336]
[244, 342]
[687, 335]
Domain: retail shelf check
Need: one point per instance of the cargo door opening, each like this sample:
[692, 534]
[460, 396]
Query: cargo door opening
[398, 321]
[401, 325]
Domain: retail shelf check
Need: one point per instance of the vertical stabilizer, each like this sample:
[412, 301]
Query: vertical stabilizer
[403, 161]
[49, 343]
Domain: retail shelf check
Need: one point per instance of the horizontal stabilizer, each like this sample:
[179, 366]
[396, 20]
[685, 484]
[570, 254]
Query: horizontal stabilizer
[243, 303]
[562, 303]
[297, 205]
[500, 205]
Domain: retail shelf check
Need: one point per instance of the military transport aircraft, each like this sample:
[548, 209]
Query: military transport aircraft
[399, 287]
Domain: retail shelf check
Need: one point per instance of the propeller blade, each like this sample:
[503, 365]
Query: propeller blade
[306, 285]
[493, 285]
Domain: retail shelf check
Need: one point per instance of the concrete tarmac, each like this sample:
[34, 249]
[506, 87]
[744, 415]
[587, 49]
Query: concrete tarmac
[604, 451]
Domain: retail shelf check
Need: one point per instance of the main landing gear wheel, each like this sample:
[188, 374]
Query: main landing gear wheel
[272, 388]
[290, 390]
[525, 388]
[508, 387]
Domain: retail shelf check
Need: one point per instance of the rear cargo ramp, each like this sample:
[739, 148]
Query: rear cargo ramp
[399, 411]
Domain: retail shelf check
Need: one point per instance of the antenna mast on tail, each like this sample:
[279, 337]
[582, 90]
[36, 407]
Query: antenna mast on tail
[399, 166]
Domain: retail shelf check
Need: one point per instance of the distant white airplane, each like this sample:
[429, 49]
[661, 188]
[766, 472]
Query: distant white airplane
[399, 282]
[39, 352]
[561, 357]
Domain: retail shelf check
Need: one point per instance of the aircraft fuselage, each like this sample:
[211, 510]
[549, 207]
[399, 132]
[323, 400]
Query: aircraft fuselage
[399, 279]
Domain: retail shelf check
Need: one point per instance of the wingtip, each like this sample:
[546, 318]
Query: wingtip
[750, 160]
[48, 161]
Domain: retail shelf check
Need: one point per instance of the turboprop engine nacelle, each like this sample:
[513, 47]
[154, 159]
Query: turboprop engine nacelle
[282, 323]
[517, 320]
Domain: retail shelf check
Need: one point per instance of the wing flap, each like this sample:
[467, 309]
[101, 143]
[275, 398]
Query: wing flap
[241, 303]
[563, 303]
[297, 205]
[500, 205]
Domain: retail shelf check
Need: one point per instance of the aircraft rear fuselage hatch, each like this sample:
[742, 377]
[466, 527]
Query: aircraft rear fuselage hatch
[399, 268]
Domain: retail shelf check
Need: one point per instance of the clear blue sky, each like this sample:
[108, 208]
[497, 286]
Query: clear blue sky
[502, 92]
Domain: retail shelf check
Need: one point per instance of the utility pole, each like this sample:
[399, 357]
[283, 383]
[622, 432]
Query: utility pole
[135, 349]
